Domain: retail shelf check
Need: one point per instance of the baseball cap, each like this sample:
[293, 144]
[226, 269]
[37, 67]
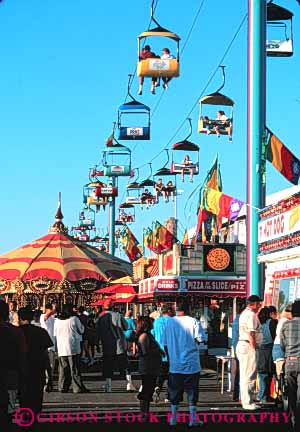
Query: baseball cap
[253, 299]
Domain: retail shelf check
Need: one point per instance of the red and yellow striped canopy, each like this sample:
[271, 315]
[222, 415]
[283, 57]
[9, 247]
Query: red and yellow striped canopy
[58, 256]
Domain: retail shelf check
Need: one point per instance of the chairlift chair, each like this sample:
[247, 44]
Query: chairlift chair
[139, 113]
[87, 217]
[186, 146]
[157, 67]
[280, 23]
[92, 195]
[117, 162]
[147, 196]
[126, 216]
[169, 178]
[209, 125]
[133, 193]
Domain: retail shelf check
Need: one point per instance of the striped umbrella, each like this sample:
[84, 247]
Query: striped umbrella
[58, 256]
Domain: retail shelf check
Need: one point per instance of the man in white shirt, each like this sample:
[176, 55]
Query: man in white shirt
[47, 322]
[68, 330]
[181, 340]
[249, 339]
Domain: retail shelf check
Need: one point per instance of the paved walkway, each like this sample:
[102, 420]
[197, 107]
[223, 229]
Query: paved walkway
[210, 397]
[119, 410]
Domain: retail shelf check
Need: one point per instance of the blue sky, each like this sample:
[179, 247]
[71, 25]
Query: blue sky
[64, 69]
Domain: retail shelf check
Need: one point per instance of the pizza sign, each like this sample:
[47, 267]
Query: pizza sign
[217, 286]
[218, 259]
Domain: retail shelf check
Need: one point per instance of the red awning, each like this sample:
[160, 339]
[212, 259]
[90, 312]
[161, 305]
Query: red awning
[118, 288]
[129, 299]
[147, 297]
[98, 303]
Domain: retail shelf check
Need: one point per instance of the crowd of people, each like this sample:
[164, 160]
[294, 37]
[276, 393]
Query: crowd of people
[167, 348]
[267, 349]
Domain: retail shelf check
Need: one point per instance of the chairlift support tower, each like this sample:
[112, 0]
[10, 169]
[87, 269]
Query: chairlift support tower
[257, 17]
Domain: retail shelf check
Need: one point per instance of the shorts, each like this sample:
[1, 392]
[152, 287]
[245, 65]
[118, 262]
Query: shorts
[180, 383]
[277, 353]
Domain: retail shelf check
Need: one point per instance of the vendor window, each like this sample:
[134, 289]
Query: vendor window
[287, 292]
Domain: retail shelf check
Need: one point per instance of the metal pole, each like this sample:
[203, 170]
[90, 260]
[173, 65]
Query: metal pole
[112, 217]
[256, 127]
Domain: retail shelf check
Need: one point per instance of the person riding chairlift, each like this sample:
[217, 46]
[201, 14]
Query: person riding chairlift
[130, 217]
[160, 190]
[170, 190]
[145, 54]
[147, 198]
[222, 122]
[166, 54]
[188, 164]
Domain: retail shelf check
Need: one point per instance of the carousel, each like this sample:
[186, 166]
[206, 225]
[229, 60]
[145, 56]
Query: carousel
[57, 268]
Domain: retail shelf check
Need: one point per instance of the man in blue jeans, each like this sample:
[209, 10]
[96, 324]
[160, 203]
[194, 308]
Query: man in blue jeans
[290, 344]
[159, 326]
[181, 340]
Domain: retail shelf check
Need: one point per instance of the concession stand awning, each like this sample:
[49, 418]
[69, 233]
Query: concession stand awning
[166, 286]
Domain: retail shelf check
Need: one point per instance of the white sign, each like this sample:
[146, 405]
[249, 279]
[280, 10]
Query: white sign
[167, 284]
[132, 131]
[107, 190]
[159, 64]
[280, 46]
[279, 226]
[117, 168]
[133, 200]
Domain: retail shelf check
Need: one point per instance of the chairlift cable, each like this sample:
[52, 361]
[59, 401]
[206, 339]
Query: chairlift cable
[203, 90]
[181, 51]
[153, 8]
[210, 79]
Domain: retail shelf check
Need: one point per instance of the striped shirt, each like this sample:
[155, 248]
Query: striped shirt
[290, 337]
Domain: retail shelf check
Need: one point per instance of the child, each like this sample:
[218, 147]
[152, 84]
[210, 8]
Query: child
[165, 56]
